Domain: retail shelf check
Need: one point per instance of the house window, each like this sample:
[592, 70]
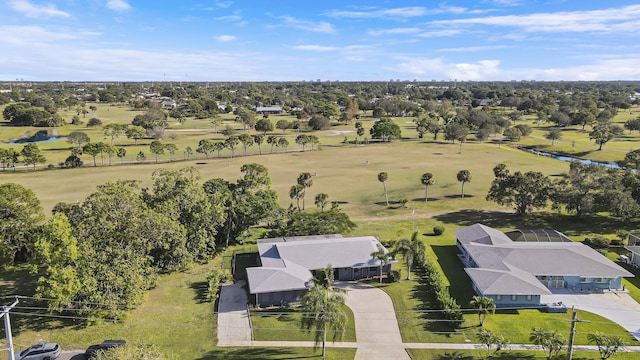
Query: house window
[529, 297]
[373, 269]
[514, 297]
[584, 280]
[601, 280]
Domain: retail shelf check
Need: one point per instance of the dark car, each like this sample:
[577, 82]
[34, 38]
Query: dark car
[47, 351]
[105, 345]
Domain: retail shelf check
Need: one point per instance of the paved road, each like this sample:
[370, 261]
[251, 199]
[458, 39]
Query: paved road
[234, 324]
[377, 332]
[72, 355]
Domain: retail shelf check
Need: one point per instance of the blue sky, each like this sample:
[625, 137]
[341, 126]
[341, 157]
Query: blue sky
[129, 40]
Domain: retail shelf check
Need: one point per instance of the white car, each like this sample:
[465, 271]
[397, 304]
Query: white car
[46, 351]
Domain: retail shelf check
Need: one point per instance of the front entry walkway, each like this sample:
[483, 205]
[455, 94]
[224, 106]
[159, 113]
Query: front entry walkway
[377, 332]
[234, 324]
[618, 307]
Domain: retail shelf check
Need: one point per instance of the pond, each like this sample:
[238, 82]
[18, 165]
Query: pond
[570, 159]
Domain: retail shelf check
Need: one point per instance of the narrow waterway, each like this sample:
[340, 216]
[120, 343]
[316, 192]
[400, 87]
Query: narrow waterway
[570, 159]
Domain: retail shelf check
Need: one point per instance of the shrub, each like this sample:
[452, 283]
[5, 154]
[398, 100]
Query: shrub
[597, 242]
[438, 230]
[214, 280]
[394, 276]
[617, 242]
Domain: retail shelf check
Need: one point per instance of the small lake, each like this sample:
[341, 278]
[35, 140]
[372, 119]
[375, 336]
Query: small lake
[570, 159]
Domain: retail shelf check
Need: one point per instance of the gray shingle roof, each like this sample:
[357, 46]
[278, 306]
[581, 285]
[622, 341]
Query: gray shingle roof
[286, 262]
[504, 264]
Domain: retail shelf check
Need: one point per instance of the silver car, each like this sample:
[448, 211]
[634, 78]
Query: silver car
[46, 351]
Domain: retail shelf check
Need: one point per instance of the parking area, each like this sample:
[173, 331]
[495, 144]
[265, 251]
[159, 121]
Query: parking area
[618, 307]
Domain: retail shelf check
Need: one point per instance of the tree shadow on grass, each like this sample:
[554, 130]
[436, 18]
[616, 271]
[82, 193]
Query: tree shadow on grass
[459, 196]
[453, 270]
[421, 199]
[567, 224]
[259, 353]
[454, 355]
[200, 290]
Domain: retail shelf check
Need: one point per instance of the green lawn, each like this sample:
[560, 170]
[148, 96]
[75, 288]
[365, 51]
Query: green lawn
[284, 324]
[274, 353]
[428, 354]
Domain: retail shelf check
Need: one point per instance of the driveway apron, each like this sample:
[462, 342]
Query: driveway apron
[377, 332]
[234, 324]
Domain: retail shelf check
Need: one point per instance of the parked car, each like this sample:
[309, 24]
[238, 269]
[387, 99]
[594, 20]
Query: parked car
[45, 351]
[105, 345]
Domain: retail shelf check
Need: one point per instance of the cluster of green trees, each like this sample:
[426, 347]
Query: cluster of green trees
[29, 155]
[585, 189]
[24, 114]
[110, 248]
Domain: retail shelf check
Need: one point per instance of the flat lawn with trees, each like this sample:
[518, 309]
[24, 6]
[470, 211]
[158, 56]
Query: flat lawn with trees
[348, 173]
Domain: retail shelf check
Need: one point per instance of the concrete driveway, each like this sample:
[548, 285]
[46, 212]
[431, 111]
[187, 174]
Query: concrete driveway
[618, 307]
[377, 331]
[234, 324]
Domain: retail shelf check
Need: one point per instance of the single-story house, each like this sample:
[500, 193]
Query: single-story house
[269, 109]
[635, 255]
[517, 273]
[286, 264]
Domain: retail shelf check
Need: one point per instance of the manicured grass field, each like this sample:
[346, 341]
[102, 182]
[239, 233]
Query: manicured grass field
[284, 324]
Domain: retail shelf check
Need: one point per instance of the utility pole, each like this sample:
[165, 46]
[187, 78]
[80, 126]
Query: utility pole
[7, 327]
[572, 333]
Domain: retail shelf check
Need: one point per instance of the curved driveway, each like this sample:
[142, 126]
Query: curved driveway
[618, 307]
[377, 331]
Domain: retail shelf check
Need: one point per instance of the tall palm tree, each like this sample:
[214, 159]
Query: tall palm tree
[382, 256]
[412, 250]
[464, 176]
[427, 180]
[383, 177]
[484, 305]
[304, 179]
[296, 192]
[322, 306]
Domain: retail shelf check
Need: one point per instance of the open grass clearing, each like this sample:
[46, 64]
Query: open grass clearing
[275, 324]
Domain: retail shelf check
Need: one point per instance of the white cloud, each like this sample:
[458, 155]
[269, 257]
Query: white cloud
[225, 38]
[118, 5]
[27, 36]
[438, 69]
[35, 11]
[318, 48]
[441, 33]
[403, 12]
[473, 48]
[394, 31]
[224, 4]
[607, 20]
[308, 25]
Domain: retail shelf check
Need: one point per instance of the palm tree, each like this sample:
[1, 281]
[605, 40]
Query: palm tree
[383, 177]
[411, 250]
[608, 345]
[296, 192]
[484, 305]
[382, 256]
[323, 308]
[550, 341]
[321, 201]
[304, 179]
[487, 338]
[426, 180]
[464, 176]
